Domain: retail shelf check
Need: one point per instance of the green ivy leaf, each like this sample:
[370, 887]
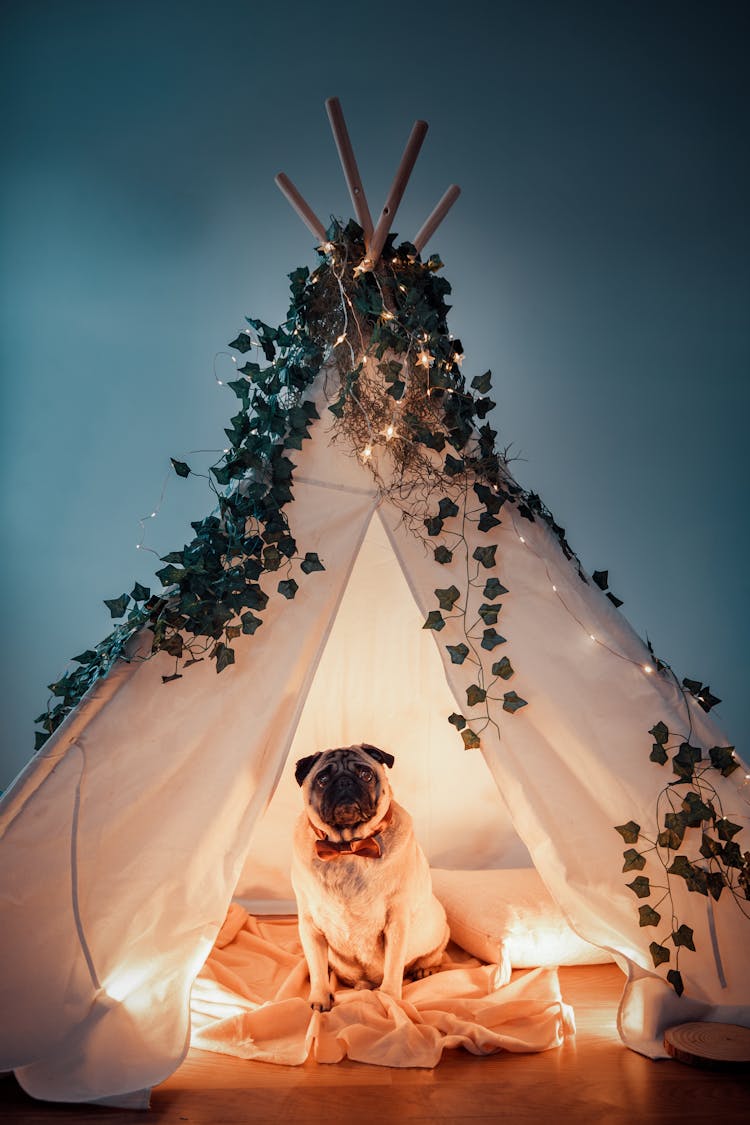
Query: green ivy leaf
[288, 588]
[716, 883]
[675, 979]
[485, 556]
[224, 656]
[471, 739]
[117, 606]
[434, 620]
[684, 936]
[513, 702]
[271, 558]
[243, 343]
[482, 383]
[140, 593]
[311, 563]
[727, 829]
[676, 823]
[503, 668]
[458, 721]
[634, 861]
[696, 810]
[453, 465]
[254, 597]
[180, 467]
[173, 645]
[448, 598]
[709, 848]
[475, 694]
[447, 508]
[83, 658]
[629, 831]
[250, 622]
[434, 525]
[685, 761]
[168, 575]
[722, 758]
[489, 613]
[443, 555]
[681, 866]
[487, 522]
[458, 653]
[493, 589]
[659, 953]
[731, 855]
[640, 886]
[669, 839]
[658, 754]
[491, 639]
[648, 916]
[660, 733]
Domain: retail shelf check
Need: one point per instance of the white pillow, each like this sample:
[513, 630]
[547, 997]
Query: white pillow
[509, 915]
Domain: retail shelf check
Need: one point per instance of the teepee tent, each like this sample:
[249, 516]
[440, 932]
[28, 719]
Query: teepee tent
[371, 570]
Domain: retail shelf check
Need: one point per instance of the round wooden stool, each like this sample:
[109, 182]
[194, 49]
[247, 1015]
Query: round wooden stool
[722, 1046]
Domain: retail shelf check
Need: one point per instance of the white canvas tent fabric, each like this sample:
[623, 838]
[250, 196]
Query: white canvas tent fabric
[125, 838]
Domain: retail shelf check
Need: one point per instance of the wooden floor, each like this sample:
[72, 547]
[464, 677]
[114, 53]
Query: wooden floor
[593, 1078]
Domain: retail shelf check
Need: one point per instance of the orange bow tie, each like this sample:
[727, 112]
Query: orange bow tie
[367, 846]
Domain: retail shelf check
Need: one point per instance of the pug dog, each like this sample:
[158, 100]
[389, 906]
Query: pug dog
[364, 894]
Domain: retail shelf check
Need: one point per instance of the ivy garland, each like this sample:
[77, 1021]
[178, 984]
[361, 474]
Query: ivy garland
[391, 334]
[688, 810]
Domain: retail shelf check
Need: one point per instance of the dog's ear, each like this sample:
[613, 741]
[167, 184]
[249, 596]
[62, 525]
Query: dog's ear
[381, 756]
[304, 765]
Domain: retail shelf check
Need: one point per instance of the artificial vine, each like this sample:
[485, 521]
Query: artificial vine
[693, 839]
[394, 384]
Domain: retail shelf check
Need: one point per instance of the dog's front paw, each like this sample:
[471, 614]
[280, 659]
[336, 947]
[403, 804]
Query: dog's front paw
[322, 1003]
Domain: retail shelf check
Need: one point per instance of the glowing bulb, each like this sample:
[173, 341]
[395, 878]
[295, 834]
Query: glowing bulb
[402, 288]
[389, 431]
[137, 546]
[340, 339]
[367, 452]
[220, 382]
[387, 315]
[647, 669]
[327, 247]
[591, 635]
[554, 587]
[522, 538]
[425, 359]
[152, 516]
[234, 359]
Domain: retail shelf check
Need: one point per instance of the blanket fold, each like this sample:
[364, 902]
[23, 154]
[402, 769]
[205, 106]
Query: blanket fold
[250, 1000]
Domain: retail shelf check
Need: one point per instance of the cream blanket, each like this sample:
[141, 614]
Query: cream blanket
[250, 1000]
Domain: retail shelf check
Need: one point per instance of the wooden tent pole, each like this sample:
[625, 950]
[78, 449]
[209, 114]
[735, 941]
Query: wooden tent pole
[303, 209]
[404, 170]
[349, 164]
[435, 218]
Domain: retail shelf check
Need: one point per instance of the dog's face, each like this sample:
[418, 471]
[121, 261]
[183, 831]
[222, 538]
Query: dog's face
[346, 787]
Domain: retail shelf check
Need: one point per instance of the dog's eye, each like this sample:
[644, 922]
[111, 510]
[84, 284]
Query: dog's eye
[321, 780]
[365, 773]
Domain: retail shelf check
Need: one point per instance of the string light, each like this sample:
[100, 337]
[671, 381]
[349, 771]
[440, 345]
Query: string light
[522, 538]
[425, 359]
[367, 452]
[389, 431]
[340, 339]
[647, 669]
[326, 247]
[387, 315]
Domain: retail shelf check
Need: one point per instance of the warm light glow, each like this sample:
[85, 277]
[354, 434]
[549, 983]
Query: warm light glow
[340, 339]
[326, 247]
[425, 359]
[647, 668]
[402, 288]
[554, 587]
[591, 635]
[124, 981]
[522, 538]
[389, 431]
[367, 453]
[387, 315]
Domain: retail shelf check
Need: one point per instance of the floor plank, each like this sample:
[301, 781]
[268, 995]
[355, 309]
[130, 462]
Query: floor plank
[592, 1078]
